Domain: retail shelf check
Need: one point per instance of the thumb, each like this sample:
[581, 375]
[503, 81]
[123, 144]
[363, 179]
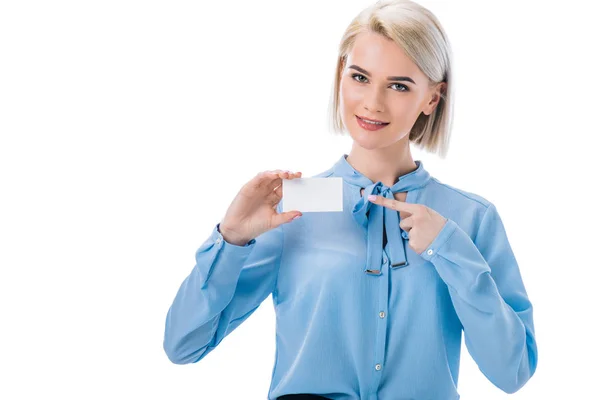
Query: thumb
[285, 217]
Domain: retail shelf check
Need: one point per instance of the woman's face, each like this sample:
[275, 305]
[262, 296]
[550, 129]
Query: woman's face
[365, 91]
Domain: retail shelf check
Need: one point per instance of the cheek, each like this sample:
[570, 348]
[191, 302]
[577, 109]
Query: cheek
[350, 96]
[400, 110]
[403, 109]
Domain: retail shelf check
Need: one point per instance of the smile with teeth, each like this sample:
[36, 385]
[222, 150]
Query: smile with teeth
[371, 122]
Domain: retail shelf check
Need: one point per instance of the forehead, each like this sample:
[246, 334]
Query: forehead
[381, 56]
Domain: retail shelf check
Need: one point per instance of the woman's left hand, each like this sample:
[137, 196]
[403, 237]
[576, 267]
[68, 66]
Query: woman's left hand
[421, 222]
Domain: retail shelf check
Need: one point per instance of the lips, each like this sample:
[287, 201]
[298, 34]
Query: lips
[371, 119]
[370, 127]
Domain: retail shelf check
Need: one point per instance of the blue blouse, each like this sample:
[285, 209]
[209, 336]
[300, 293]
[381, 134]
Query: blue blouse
[357, 318]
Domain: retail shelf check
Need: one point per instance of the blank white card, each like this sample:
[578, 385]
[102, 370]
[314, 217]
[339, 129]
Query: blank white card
[313, 194]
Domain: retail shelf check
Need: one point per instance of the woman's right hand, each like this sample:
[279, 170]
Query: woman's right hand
[254, 210]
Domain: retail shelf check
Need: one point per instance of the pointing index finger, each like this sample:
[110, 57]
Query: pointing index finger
[393, 203]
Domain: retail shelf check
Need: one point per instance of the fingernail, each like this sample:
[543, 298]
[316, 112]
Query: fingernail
[296, 217]
[372, 197]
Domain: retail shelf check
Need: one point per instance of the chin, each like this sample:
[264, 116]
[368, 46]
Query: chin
[369, 140]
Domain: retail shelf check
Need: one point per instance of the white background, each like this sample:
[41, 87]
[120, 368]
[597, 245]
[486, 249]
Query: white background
[127, 127]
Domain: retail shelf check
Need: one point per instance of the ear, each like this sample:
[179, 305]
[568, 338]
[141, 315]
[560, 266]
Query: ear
[435, 97]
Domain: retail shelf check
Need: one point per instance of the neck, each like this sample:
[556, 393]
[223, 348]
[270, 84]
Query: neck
[384, 165]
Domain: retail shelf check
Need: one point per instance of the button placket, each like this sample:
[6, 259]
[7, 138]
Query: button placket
[381, 321]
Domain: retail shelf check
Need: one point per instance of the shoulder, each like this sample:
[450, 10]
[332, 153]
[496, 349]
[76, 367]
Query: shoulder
[458, 195]
[466, 208]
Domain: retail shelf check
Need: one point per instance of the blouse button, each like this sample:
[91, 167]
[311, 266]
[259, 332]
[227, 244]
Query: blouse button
[381, 314]
[378, 367]
[430, 252]
[218, 240]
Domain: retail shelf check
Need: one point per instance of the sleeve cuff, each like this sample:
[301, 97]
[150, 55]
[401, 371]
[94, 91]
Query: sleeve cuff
[442, 237]
[231, 257]
[217, 237]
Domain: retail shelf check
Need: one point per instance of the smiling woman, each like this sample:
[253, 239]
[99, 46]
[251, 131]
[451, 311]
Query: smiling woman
[371, 302]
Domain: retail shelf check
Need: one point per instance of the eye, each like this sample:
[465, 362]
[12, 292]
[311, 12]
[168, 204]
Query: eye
[356, 75]
[404, 87]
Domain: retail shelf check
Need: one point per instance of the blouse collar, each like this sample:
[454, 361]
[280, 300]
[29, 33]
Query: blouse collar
[372, 216]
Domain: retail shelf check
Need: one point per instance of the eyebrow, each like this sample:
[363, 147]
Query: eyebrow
[390, 78]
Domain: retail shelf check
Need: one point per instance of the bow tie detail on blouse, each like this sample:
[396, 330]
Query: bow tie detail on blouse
[375, 217]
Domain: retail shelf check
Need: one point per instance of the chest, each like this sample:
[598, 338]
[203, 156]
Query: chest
[399, 196]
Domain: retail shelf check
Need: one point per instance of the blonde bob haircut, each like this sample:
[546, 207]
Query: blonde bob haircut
[421, 36]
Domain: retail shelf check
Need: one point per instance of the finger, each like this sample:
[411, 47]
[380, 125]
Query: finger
[262, 178]
[284, 217]
[268, 180]
[407, 223]
[272, 178]
[283, 174]
[279, 191]
[273, 198]
[395, 204]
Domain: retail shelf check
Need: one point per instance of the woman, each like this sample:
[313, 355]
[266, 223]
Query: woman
[370, 302]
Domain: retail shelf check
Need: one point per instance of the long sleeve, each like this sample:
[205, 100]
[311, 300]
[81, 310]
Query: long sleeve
[227, 284]
[490, 299]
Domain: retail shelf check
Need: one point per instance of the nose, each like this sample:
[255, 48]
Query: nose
[373, 103]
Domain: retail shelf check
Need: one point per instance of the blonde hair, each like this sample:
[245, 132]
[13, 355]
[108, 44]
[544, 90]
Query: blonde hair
[421, 36]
